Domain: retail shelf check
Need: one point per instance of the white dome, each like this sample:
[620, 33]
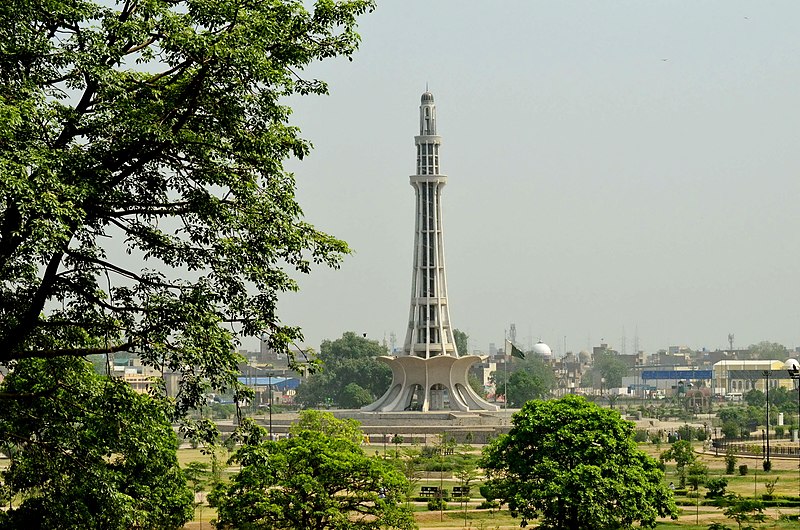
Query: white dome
[542, 349]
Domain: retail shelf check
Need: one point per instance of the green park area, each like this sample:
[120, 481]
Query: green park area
[150, 213]
[450, 485]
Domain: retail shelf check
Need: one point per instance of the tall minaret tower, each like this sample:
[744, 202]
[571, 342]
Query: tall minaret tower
[430, 374]
[429, 332]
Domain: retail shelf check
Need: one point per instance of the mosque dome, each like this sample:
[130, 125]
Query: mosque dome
[584, 356]
[427, 97]
[542, 349]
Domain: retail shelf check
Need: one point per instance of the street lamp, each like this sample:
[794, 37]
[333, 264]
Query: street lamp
[793, 367]
[269, 385]
[767, 463]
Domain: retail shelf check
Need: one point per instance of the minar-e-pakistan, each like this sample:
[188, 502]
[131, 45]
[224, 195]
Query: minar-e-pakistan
[429, 374]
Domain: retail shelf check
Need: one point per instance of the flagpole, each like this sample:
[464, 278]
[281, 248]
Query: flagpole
[505, 373]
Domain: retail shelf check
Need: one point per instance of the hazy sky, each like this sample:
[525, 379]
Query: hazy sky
[614, 168]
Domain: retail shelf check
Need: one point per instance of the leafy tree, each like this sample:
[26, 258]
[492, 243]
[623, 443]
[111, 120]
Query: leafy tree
[524, 386]
[310, 480]
[144, 205]
[530, 378]
[197, 475]
[462, 341]
[608, 365]
[410, 466]
[144, 208]
[716, 487]
[730, 460]
[327, 423]
[602, 481]
[768, 350]
[683, 455]
[696, 474]
[349, 360]
[88, 452]
[476, 385]
[755, 398]
[743, 510]
[355, 396]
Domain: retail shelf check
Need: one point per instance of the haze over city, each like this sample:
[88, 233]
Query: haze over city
[616, 169]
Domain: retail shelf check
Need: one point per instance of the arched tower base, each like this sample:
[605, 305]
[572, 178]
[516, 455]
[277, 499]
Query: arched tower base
[437, 383]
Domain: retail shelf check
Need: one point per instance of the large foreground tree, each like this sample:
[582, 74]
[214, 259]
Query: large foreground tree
[144, 207]
[143, 202]
[571, 464]
[86, 451]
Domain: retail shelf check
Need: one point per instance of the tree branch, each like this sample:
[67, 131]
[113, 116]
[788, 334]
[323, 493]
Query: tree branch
[71, 352]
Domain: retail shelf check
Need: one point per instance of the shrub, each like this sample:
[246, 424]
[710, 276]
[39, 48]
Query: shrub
[641, 435]
[489, 505]
[767, 465]
[701, 434]
[743, 469]
[730, 461]
[436, 504]
[716, 487]
[779, 431]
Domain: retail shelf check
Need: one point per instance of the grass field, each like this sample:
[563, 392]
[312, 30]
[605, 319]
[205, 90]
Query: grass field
[691, 517]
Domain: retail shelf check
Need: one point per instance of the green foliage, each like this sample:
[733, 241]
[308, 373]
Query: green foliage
[641, 436]
[530, 378]
[716, 487]
[436, 504]
[602, 481]
[770, 486]
[476, 385]
[768, 350]
[730, 460]
[462, 341]
[156, 129]
[351, 373]
[687, 432]
[326, 423]
[743, 469]
[310, 480]
[742, 510]
[355, 396]
[607, 365]
[746, 418]
[755, 398]
[683, 455]
[696, 474]
[88, 452]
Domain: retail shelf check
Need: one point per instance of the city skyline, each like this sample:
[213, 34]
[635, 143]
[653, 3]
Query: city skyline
[617, 168]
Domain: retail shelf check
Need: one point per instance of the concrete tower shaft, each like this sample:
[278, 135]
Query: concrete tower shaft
[429, 332]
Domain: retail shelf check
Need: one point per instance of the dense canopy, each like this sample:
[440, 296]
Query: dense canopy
[143, 201]
[569, 463]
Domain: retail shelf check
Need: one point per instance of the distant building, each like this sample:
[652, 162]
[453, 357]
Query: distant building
[741, 376]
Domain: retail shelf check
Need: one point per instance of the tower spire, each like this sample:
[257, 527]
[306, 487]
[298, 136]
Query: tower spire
[429, 332]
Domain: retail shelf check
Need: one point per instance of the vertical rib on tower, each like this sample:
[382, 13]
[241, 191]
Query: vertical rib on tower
[429, 332]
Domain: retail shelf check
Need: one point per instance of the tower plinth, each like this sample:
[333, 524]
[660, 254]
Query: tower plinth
[430, 374]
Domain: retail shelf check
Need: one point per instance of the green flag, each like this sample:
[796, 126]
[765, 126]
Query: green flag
[513, 351]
